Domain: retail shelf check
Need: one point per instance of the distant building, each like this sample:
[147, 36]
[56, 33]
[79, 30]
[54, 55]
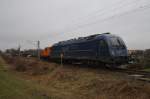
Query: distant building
[135, 52]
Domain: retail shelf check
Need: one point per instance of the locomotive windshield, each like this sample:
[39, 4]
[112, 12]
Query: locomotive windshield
[116, 42]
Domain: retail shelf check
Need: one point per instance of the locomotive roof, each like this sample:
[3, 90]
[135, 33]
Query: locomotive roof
[83, 39]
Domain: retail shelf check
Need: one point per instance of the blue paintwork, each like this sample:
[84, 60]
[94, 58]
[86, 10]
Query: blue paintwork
[96, 47]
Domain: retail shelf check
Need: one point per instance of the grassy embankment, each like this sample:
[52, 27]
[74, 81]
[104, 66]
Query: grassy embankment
[67, 82]
[12, 87]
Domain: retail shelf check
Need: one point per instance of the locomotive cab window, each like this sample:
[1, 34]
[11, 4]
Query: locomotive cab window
[116, 42]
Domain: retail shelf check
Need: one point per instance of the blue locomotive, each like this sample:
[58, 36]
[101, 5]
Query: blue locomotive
[100, 48]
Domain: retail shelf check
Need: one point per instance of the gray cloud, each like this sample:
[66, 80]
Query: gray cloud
[54, 20]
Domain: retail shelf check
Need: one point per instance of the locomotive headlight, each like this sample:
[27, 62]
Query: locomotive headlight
[112, 53]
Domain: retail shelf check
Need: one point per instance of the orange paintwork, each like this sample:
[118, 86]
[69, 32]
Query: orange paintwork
[46, 52]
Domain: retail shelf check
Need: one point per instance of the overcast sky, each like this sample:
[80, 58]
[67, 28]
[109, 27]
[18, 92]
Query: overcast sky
[26, 21]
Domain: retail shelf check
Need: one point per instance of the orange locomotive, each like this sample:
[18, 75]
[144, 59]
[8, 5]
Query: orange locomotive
[46, 53]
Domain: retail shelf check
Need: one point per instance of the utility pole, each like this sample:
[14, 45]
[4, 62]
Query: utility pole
[38, 49]
[19, 48]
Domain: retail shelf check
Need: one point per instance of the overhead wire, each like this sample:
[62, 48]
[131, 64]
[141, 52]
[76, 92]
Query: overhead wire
[80, 26]
[102, 11]
[113, 16]
[98, 10]
[119, 15]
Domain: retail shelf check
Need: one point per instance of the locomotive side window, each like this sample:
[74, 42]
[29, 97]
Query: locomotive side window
[103, 43]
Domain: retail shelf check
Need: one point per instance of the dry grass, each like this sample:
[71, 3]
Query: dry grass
[30, 66]
[71, 82]
[83, 83]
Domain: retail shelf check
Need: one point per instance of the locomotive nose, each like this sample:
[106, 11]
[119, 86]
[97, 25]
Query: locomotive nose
[118, 52]
[120, 55]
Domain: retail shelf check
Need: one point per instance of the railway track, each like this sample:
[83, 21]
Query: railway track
[133, 74]
[136, 74]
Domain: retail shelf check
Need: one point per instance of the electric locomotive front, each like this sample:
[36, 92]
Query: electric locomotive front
[118, 50]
